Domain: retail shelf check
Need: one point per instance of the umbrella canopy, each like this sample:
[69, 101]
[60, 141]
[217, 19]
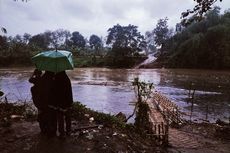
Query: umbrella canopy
[54, 61]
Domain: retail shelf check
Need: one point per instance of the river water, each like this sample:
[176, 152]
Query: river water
[111, 91]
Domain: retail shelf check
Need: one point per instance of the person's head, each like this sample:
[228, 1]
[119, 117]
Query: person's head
[37, 72]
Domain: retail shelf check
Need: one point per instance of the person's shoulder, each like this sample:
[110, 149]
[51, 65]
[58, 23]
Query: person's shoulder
[32, 79]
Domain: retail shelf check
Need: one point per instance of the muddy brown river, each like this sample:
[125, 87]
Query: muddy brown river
[111, 91]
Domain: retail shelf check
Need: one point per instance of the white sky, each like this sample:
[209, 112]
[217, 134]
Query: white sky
[90, 16]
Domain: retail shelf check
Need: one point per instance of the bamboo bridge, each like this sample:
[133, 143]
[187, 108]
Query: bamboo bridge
[163, 113]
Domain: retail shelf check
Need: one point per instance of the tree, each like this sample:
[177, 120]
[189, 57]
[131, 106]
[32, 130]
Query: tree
[26, 38]
[41, 41]
[77, 40]
[3, 30]
[18, 39]
[125, 40]
[95, 43]
[203, 44]
[196, 14]
[3, 43]
[150, 42]
[59, 38]
[213, 16]
[161, 32]
[179, 27]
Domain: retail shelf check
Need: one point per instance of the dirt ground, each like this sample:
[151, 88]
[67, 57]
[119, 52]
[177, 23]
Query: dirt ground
[25, 137]
[199, 138]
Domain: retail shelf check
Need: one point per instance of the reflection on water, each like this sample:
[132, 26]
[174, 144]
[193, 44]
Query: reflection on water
[110, 90]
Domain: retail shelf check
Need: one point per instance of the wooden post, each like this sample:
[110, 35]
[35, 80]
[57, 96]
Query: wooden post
[167, 132]
[155, 129]
[159, 131]
[162, 128]
[177, 118]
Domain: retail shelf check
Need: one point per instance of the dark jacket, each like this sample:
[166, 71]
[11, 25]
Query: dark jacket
[47, 82]
[63, 90]
[36, 91]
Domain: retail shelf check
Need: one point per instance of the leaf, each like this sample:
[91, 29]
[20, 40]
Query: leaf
[1, 93]
[3, 30]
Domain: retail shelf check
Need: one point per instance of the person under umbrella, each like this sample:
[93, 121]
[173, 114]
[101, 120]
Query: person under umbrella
[36, 92]
[57, 88]
[63, 102]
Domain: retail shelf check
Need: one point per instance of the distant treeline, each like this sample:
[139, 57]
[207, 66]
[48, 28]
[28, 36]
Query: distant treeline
[204, 44]
[121, 48]
[201, 44]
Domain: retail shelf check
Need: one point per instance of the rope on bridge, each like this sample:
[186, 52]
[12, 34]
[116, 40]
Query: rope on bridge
[167, 108]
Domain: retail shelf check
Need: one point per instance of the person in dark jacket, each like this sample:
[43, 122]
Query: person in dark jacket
[36, 88]
[42, 96]
[64, 100]
[49, 114]
[36, 92]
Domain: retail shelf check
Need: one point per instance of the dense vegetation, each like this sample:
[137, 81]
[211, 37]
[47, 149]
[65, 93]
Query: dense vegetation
[204, 44]
[123, 46]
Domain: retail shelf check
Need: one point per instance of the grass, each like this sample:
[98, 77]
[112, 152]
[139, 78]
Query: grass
[79, 112]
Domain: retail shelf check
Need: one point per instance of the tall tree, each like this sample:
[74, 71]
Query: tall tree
[202, 44]
[161, 32]
[40, 41]
[150, 42]
[77, 40]
[125, 40]
[95, 43]
[59, 38]
[213, 16]
[26, 38]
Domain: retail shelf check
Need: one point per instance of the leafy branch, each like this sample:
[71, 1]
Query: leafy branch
[197, 12]
[143, 92]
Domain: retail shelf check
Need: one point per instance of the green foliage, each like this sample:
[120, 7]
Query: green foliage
[18, 50]
[203, 44]
[95, 43]
[40, 41]
[1, 93]
[142, 119]
[77, 40]
[3, 30]
[197, 13]
[125, 40]
[106, 61]
[150, 43]
[59, 39]
[79, 112]
[161, 32]
[143, 92]
[7, 109]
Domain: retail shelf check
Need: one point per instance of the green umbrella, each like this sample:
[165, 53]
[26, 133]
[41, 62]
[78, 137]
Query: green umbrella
[54, 61]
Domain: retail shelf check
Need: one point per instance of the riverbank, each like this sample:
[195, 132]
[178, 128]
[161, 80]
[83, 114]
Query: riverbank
[96, 132]
[82, 62]
[92, 132]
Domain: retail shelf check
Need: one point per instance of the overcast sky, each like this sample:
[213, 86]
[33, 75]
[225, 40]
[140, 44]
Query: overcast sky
[89, 16]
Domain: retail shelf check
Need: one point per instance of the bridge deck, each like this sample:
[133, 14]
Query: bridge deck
[162, 113]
